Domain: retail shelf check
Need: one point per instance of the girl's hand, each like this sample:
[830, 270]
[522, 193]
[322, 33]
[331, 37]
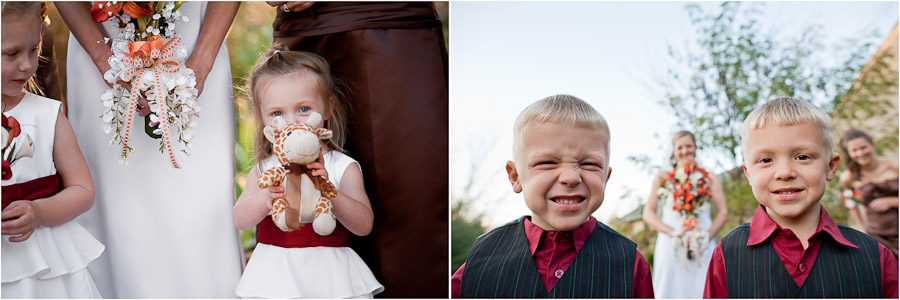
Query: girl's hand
[880, 205]
[275, 192]
[318, 166]
[19, 218]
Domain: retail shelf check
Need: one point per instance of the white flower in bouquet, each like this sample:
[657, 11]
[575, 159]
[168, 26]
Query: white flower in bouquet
[147, 53]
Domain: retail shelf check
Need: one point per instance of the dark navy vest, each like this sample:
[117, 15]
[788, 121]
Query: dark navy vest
[839, 271]
[500, 265]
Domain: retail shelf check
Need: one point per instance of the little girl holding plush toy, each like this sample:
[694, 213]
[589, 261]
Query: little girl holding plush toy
[300, 253]
[46, 181]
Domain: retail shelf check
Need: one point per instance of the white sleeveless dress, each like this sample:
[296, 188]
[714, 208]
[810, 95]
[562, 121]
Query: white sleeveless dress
[312, 272]
[673, 275]
[168, 232]
[52, 262]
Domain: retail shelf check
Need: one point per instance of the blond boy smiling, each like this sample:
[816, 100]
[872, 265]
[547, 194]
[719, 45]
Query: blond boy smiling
[561, 168]
[792, 247]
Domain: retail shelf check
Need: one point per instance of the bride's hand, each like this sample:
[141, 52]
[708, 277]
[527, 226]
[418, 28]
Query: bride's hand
[675, 232]
[201, 64]
[100, 56]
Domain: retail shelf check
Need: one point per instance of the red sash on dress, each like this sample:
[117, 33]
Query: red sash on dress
[268, 233]
[35, 189]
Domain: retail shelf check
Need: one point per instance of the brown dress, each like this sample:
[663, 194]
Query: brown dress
[882, 226]
[393, 58]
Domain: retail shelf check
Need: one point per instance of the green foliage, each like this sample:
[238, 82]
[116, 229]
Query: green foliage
[250, 35]
[741, 203]
[463, 235]
[736, 67]
[643, 235]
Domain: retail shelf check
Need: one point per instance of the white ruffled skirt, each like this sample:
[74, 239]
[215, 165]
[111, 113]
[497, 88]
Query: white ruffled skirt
[313, 272]
[52, 263]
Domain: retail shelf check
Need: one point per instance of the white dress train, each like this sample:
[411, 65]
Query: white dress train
[168, 232]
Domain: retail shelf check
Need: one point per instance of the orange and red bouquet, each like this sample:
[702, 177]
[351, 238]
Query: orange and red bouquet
[686, 189]
[148, 62]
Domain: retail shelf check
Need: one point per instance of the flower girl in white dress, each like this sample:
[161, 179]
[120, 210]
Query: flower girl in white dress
[294, 86]
[46, 181]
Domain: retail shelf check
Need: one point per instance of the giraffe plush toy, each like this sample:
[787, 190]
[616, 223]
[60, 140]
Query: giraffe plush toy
[296, 145]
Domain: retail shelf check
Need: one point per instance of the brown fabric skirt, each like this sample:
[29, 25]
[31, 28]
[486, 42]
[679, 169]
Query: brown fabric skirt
[393, 59]
[881, 225]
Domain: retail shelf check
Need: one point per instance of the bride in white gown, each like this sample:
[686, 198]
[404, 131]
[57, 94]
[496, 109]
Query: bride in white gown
[168, 232]
[674, 276]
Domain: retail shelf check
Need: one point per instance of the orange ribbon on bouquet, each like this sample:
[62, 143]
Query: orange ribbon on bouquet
[155, 56]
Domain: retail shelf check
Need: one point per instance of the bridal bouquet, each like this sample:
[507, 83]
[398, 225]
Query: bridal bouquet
[851, 198]
[148, 61]
[686, 190]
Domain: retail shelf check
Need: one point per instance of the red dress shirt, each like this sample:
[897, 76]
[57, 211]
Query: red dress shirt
[797, 261]
[554, 251]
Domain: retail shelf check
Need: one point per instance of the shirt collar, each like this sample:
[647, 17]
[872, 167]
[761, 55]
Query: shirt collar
[579, 235]
[762, 227]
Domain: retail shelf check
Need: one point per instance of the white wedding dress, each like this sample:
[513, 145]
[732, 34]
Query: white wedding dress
[674, 276]
[168, 232]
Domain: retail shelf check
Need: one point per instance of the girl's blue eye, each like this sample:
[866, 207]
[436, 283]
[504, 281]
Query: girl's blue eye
[277, 113]
[304, 109]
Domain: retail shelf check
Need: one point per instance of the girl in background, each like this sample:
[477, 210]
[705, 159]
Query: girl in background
[875, 178]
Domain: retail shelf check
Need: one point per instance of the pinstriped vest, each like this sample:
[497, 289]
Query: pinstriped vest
[839, 271]
[500, 265]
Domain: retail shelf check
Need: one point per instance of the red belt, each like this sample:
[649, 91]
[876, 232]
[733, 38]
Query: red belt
[268, 233]
[35, 189]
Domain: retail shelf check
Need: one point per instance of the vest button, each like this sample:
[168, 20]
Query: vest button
[802, 267]
[558, 273]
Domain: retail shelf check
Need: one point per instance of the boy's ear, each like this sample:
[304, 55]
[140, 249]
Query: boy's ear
[746, 174]
[513, 176]
[833, 166]
[608, 173]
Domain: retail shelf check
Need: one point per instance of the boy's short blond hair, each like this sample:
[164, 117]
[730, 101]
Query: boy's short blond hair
[786, 111]
[558, 109]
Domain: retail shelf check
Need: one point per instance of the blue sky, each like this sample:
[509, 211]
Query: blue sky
[506, 55]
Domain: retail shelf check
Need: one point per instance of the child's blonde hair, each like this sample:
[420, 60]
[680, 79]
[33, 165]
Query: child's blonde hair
[15, 9]
[787, 111]
[559, 109]
[279, 61]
